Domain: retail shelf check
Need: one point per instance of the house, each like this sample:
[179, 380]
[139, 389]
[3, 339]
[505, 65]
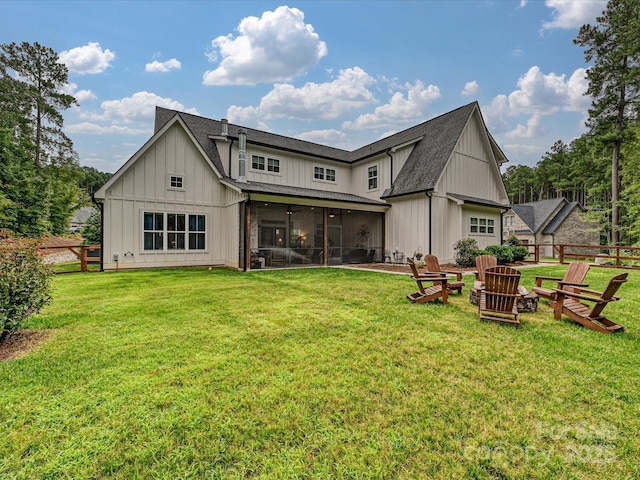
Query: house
[554, 221]
[207, 192]
[80, 218]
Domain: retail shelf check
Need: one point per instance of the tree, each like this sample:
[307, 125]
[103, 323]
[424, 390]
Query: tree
[614, 82]
[34, 79]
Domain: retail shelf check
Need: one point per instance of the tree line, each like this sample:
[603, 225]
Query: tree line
[600, 169]
[41, 181]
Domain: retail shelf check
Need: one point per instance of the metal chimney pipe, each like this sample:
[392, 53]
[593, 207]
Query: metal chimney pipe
[242, 154]
[225, 127]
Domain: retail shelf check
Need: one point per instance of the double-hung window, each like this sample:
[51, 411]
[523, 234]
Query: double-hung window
[153, 230]
[257, 162]
[175, 231]
[273, 165]
[372, 176]
[197, 229]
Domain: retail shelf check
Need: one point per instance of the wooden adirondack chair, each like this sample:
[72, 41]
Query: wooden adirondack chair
[433, 266]
[482, 263]
[438, 289]
[574, 276]
[499, 297]
[568, 303]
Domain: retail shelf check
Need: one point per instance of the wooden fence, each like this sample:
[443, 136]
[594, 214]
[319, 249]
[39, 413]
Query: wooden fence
[87, 254]
[604, 255]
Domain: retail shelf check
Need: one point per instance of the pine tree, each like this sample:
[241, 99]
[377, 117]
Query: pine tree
[614, 82]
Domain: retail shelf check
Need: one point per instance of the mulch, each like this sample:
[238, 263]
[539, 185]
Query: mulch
[21, 343]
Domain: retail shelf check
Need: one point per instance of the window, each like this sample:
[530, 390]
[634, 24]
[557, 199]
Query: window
[171, 231]
[373, 177]
[509, 221]
[257, 163]
[153, 231]
[175, 181]
[176, 231]
[330, 174]
[197, 232]
[273, 165]
[322, 173]
[484, 226]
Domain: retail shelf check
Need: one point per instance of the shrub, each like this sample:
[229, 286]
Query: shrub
[519, 253]
[503, 253]
[512, 239]
[24, 284]
[92, 231]
[466, 252]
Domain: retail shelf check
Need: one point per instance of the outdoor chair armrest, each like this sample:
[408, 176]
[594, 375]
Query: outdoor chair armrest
[564, 293]
[540, 279]
[581, 286]
[454, 272]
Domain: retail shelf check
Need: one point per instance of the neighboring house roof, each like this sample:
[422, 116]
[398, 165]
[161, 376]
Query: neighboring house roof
[561, 217]
[546, 215]
[82, 215]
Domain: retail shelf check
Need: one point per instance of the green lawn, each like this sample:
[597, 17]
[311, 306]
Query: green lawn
[315, 373]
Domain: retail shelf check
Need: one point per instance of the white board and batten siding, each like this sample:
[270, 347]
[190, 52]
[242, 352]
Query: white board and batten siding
[145, 187]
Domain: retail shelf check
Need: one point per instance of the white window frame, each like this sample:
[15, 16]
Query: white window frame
[324, 174]
[176, 182]
[375, 178]
[273, 166]
[166, 235]
[482, 225]
[258, 163]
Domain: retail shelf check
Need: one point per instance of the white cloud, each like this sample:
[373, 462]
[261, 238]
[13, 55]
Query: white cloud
[545, 94]
[532, 129]
[88, 128]
[80, 95]
[246, 116]
[163, 67]
[140, 107]
[332, 137]
[573, 13]
[470, 89]
[89, 59]
[273, 48]
[400, 110]
[326, 101]
[538, 95]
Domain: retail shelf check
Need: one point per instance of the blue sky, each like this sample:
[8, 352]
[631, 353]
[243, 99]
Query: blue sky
[341, 73]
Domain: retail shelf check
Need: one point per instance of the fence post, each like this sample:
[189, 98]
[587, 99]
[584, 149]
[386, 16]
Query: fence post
[561, 254]
[617, 256]
[83, 258]
[536, 253]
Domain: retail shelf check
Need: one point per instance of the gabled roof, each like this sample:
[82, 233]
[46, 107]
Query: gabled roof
[561, 217]
[537, 215]
[435, 140]
[431, 154]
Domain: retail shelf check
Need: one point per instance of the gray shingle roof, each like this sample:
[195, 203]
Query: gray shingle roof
[561, 217]
[538, 214]
[420, 172]
[289, 191]
[476, 201]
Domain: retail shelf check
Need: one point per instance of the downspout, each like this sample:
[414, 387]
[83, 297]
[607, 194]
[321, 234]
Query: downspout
[247, 232]
[388, 152]
[430, 194]
[502, 212]
[230, 145]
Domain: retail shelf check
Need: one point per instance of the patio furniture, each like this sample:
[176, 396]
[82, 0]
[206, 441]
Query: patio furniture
[387, 256]
[498, 298]
[482, 263]
[438, 289]
[574, 276]
[433, 266]
[569, 304]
